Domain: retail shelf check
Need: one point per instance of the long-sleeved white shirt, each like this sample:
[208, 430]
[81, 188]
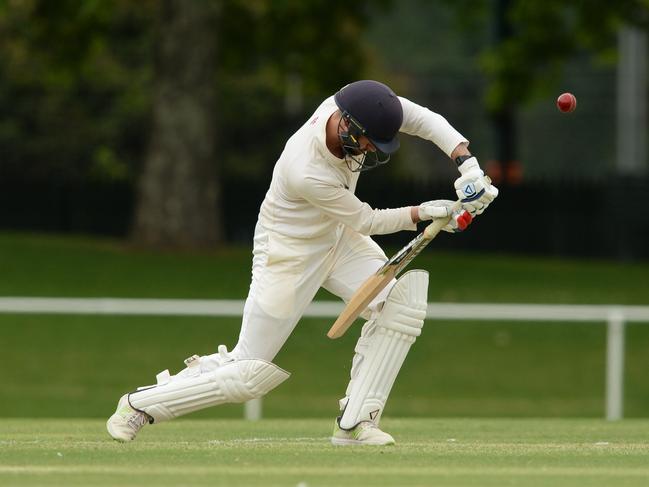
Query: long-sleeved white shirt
[312, 191]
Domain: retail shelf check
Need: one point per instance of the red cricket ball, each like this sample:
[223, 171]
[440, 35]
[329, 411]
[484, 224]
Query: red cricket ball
[566, 102]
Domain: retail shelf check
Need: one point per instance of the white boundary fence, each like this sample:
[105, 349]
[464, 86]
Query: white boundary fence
[614, 316]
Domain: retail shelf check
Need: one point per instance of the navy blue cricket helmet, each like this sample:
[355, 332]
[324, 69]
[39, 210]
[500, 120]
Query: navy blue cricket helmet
[371, 109]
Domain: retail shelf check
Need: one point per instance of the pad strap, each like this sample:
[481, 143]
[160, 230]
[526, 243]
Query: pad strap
[233, 382]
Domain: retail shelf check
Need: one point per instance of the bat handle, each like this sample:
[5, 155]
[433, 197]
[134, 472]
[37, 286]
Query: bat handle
[431, 231]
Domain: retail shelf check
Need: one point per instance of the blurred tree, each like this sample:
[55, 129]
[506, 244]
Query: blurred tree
[73, 91]
[78, 87]
[272, 57]
[533, 40]
[178, 191]
[537, 37]
[279, 59]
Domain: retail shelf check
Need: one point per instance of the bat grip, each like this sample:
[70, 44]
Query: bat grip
[431, 231]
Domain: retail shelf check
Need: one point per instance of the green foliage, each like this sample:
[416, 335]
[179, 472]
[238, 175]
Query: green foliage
[73, 87]
[271, 51]
[538, 37]
[76, 80]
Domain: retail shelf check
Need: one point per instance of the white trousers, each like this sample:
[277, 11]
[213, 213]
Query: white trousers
[287, 273]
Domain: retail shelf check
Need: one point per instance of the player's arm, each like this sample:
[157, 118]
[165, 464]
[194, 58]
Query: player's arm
[472, 187]
[343, 206]
[428, 125]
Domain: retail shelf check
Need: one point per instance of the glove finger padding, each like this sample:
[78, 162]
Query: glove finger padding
[464, 220]
[473, 188]
[474, 207]
[459, 221]
[430, 210]
[478, 205]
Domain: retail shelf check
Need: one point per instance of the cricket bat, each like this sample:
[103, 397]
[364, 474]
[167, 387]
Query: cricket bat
[377, 282]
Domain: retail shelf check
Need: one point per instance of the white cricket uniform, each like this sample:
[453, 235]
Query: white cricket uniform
[314, 232]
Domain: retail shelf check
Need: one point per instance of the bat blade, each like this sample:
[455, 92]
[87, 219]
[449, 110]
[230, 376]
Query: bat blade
[374, 284]
[363, 296]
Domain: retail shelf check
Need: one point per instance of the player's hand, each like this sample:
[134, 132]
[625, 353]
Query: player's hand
[460, 219]
[473, 188]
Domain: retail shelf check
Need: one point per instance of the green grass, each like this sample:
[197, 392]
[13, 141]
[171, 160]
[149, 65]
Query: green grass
[76, 366]
[449, 452]
[39, 265]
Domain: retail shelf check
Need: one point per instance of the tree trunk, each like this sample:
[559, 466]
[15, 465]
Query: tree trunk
[178, 190]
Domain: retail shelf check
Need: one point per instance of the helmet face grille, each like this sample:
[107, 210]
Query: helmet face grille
[357, 159]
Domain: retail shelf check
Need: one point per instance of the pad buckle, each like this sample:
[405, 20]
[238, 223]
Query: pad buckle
[163, 377]
[192, 361]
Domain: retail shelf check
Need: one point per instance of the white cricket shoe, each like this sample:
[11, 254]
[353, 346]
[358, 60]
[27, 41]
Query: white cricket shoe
[126, 422]
[365, 433]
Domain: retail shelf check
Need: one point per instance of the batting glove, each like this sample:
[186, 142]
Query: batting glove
[473, 188]
[460, 219]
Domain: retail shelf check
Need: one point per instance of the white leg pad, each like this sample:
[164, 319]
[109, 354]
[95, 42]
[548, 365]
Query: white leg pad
[233, 382]
[395, 330]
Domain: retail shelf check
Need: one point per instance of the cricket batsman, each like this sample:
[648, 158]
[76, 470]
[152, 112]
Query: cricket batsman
[313, 232]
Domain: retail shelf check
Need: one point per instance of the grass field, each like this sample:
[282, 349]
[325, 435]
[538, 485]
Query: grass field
[296, 453]
[77, 366]
[44, 265]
